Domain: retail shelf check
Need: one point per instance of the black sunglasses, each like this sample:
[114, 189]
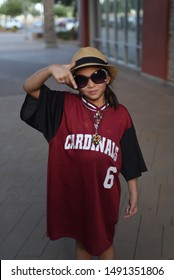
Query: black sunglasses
[98, 77]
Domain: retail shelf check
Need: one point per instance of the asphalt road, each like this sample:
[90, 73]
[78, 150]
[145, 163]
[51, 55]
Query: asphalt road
[19, 58]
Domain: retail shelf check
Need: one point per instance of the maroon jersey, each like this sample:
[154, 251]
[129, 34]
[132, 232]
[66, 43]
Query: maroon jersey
[83, 177]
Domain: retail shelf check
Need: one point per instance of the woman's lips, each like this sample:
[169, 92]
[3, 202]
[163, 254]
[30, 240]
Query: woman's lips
[92, 92]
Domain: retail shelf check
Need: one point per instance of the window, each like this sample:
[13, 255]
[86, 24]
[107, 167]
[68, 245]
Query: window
[119, 33]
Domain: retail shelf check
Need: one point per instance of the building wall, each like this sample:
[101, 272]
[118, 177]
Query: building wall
[171, 44]
[158, 35]
[155, 38]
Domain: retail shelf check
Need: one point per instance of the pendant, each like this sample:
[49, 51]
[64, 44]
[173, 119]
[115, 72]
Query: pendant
[96, 138]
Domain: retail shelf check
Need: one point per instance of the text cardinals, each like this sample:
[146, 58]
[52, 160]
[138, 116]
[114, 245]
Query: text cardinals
[84, 142]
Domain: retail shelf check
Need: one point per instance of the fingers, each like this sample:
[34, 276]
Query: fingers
[130, 211]
[72, 81]
[71, 78]
[63, 75]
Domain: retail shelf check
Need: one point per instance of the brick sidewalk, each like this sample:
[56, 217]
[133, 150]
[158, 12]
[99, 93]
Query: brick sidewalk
[150, 234]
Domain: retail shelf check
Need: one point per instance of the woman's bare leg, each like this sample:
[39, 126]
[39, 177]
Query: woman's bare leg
[81, 253]
[108, 254]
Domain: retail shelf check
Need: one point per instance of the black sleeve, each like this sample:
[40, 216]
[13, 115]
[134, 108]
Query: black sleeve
[132, 159]
[45, 113]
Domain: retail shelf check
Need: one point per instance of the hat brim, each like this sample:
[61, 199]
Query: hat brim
[111, 69]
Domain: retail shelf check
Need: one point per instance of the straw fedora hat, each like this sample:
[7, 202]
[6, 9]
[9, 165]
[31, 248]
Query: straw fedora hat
[89, 56]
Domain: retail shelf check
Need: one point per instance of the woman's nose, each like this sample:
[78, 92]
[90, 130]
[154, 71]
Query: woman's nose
[90, 83]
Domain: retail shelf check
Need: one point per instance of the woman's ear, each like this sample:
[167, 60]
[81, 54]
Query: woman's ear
[108, 79]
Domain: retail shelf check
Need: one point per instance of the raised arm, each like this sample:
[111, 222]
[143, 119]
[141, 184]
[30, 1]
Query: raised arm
[61, 73]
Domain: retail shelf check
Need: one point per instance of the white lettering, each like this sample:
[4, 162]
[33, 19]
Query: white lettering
[108, 148]
[84, 142]
[73, 141]
[87, 142]
[68, 145]
[79, 139]
[113, 150]
[115, 154]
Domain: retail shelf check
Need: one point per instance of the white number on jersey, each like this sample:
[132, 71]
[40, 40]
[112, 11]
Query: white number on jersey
[109, 179]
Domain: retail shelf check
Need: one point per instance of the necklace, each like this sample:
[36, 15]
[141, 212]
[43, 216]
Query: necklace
[96, 138]
[96, 119]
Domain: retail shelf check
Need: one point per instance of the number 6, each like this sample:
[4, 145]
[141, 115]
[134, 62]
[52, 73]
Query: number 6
[109, 179]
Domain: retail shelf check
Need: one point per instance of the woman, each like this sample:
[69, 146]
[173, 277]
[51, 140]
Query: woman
[91, 140]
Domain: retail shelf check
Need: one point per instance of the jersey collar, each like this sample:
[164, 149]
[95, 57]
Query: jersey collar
[93, 107]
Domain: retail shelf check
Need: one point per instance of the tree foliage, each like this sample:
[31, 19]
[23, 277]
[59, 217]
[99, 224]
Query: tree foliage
[11, 8]
[70, 3]
[65, 2]
[60, 11]
[14, 7]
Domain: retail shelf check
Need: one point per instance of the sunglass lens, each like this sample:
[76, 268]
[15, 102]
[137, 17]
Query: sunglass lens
[81, 81]
[99, 77]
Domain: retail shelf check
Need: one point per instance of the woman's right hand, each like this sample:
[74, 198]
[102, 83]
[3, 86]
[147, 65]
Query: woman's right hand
[62, 74]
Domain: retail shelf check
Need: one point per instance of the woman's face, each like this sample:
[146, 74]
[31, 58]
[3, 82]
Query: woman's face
[94, 93]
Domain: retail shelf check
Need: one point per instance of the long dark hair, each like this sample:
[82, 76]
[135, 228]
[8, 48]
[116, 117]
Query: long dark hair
[111, 97]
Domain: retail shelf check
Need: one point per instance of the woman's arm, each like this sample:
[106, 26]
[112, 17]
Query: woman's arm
[61, 73]
[133, 200]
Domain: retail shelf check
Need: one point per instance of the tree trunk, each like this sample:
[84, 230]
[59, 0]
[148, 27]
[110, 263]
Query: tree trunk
[49, 29]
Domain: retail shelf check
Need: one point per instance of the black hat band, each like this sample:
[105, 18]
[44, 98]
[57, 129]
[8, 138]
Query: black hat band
[89, 59]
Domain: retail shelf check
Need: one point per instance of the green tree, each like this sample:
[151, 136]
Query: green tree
[11, 8]
[60, 11]
[14, 8]
[72, 3]
[64, 2]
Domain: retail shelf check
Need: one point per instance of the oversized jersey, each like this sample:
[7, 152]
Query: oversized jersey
[83, 187]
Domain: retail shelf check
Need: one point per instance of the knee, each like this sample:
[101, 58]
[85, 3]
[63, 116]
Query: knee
[108, 254]
[81, 252]
[80, 245]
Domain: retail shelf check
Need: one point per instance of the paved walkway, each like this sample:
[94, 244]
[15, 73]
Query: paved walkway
[150, 234]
